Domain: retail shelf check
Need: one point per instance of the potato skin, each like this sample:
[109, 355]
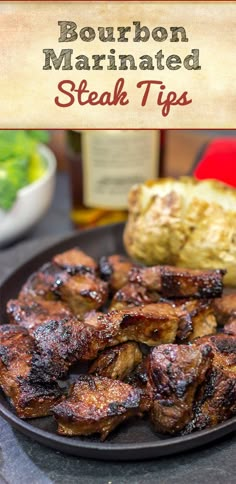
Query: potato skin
[184, 222]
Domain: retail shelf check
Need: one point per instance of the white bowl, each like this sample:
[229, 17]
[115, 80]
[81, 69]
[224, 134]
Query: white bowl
[31, 203]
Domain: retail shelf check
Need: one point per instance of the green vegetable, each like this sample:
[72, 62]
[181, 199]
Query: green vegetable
[7, 193]
[37, 167]
[15, 144]
[15, 170]
[39, 135]
[20, 162]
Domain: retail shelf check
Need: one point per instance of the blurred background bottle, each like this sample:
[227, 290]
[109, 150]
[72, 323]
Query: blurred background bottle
[103, 165]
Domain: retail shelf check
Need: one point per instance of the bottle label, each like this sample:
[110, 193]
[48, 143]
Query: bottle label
[114, 161]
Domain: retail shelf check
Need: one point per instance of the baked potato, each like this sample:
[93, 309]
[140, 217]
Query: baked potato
[183, 222]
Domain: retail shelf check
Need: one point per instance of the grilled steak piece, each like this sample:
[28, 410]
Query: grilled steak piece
[230, 327]
[16, 348]
[174, 282]
[115, 269]
[41, 282]
[216, 400]
[196, 315]
[75, 260]
[139, 379]
[133, 295]
[225, 308]
[82, 292]
[199, 319]
[117, 362]
[139, 376]
[175, 373]
[33, 312]
[61, 343]
[151, 324]
[96, 405]
[202, 316]
[35, 400]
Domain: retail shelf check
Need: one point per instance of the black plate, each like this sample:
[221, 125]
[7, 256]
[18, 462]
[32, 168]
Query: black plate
[132, 440]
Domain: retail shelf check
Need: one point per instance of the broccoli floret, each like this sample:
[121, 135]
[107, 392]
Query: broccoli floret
[16, 144]
[20, 162]
[39, 135]
[7, 193]
[16, 171]
[13, 176]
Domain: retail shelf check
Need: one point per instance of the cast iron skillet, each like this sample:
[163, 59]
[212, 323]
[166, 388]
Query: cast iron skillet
[132, 440]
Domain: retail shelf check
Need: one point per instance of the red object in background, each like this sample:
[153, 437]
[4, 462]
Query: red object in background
[218, 160]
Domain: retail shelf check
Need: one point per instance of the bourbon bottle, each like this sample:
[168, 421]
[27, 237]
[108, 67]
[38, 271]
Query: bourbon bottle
[103, 166]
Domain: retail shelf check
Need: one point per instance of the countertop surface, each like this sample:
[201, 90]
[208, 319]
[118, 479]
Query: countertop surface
[23, 461]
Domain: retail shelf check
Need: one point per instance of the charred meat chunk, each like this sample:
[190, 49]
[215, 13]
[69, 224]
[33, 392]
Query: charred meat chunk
[133, 295]
[230, 327]
[202, 316]
[28, 400]
[41, 282]
[225, 308]
[139, 376]
[60, 344]
[36, 400]
[115, 269]
[96, 405]
[117, 362]
[15, 342]
[196, 316]
[151, 324]
[198, 319]
[33, 312]
[139, 379]
[175, 372]
[174, 282]
[217, 397]
[82, 292]
[75, 260]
